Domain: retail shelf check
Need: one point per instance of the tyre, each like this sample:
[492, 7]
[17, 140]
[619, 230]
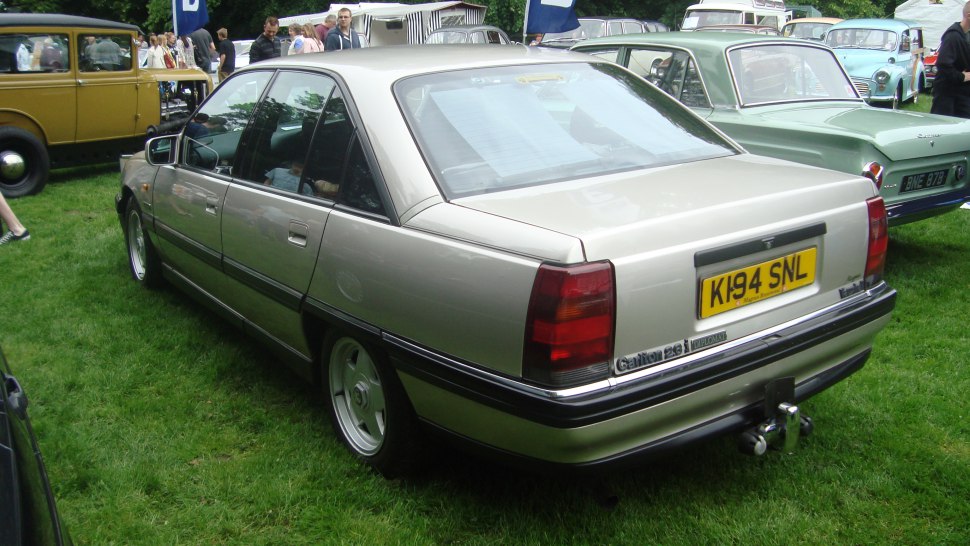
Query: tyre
[368, 407]
[146, 267]
[24, 163]
[898, 96]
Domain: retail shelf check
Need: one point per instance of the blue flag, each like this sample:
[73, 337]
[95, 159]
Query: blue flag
[189, 15]
[551, 16]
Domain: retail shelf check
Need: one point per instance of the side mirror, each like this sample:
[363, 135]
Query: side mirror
[161, 150]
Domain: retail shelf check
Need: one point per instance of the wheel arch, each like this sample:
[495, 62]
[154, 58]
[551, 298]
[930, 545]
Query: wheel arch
[319, 319]
[25, 122]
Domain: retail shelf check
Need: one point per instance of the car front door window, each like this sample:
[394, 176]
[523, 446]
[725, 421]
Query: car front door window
[210, 141]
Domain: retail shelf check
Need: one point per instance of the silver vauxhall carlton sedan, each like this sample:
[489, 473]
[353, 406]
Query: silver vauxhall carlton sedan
[533, 251]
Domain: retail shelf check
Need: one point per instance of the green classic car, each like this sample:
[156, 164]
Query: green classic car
[793, 100]
[72, 92]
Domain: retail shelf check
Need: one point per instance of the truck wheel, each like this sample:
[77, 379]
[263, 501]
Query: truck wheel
[24, 163]
[368, 407]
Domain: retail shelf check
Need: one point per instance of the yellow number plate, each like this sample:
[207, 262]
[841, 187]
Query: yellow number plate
[756, 282]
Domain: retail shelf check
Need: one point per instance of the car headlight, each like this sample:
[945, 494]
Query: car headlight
[882, 77]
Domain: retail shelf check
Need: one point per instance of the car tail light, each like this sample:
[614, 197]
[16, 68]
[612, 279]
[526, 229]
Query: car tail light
[569, 325]
[878, 240]
[873, 171]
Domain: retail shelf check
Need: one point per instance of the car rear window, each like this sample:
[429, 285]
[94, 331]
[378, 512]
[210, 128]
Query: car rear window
[492, 129]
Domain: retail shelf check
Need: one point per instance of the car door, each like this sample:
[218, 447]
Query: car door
[279, 202]
[107, 91]
[28, 513]
[36, 80]
[188, 196]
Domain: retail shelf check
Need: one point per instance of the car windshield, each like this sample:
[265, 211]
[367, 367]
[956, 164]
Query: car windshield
[571, 35]
[808, 31]
[861, 38]
[776, 73]
[705, 18]
[447, 37]
[594, 28]
[492, 129]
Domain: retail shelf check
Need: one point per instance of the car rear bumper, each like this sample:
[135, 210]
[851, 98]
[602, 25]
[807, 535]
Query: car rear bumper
[926, 207]
[720, 390]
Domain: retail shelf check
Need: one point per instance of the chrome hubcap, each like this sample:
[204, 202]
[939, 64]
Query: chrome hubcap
[12, 165]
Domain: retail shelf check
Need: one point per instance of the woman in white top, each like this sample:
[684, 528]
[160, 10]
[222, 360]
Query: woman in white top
[296, 39]
[156, 55]
[186, 52]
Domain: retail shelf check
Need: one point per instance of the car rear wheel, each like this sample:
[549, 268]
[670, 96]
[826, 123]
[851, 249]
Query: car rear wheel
[146, 268]
[24, 163]
[368, 406]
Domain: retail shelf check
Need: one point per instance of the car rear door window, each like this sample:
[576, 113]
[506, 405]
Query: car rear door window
[104, 52]
[279, 138]
[23, 53]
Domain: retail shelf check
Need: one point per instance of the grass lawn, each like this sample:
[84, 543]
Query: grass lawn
[160, 424]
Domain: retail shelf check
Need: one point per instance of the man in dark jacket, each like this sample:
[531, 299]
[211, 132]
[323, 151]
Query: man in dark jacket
[342, 37]
[951, 88]
[203, 48]
[267, 45]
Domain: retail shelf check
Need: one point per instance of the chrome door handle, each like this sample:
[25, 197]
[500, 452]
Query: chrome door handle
[298, 233]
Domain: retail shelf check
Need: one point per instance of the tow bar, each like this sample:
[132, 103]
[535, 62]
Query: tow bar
[783, 423]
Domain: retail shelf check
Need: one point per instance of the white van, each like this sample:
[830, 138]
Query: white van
[739, 12]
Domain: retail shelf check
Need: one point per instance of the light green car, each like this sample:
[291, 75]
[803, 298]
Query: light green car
[792, 99]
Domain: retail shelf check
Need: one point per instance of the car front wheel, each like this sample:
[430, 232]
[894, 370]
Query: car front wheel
[368, 406]
[898, 96]
[146, 268]
[24, 163]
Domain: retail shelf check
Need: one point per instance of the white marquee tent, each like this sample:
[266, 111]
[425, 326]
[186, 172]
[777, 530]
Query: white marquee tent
[384, 23]
[933, 15]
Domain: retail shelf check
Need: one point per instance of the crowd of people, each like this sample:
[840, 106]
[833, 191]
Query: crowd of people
[167, 50]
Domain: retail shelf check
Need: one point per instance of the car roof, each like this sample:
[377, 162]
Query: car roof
[386, 64]
[466, 27]
[58, 20]
[832, 20]
[884, 24]
[692, 40]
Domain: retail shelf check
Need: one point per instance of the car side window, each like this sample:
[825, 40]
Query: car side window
[22, 53]
[282, 129]
[210, 141]
[104, 52]
[477, 38]
[358, 189]
[693, 93]
[632, 28]
[650, 64]
[616, 28]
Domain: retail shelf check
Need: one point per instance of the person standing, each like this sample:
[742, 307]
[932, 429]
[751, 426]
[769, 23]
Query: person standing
[323, 29]
[296, 39]
[186, 53]
[227, 54]
[267, 45]
[204, 48]
[311, 44]
[156, 55]
[15, 230]
[342, 37]
[951, 88]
